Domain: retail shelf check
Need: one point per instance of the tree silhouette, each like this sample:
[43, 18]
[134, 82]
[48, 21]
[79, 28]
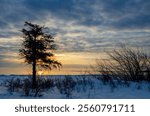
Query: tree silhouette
[37, 49]
[125, 63]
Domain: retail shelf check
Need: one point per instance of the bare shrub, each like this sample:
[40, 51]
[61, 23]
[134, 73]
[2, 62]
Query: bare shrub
[46, 83]
[125, 64]
[24, 86]
[27, 88]
[42, 85]
[13, 84]
[66, 85]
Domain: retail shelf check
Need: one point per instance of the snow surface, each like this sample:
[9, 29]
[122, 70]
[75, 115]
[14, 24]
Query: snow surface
[89, 89]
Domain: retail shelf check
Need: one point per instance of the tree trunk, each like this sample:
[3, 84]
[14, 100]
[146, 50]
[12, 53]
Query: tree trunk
[34, 64]
[34, 75]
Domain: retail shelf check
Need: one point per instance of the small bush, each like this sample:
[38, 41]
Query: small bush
[24, 86]
[46, 83]
[66, 85]
[13, 84]
[42, 85]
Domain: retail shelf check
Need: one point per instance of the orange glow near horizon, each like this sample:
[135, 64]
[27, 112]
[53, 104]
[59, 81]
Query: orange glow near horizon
[72, 63]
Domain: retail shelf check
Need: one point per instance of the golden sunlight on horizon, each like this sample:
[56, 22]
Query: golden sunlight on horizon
[72, 63]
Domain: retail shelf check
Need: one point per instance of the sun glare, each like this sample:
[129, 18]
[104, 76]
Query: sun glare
[40, 73]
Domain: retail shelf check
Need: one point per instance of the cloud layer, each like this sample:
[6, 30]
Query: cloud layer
[79, 25]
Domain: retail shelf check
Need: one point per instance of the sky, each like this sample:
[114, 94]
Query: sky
[83, 29]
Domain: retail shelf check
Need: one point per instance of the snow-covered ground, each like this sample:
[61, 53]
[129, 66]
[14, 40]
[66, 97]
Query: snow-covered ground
[86, 87]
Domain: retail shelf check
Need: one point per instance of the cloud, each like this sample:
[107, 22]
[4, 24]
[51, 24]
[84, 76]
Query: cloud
[107, 13]
[78, 25]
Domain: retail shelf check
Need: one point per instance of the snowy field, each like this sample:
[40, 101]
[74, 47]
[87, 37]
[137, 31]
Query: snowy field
[81, 87]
